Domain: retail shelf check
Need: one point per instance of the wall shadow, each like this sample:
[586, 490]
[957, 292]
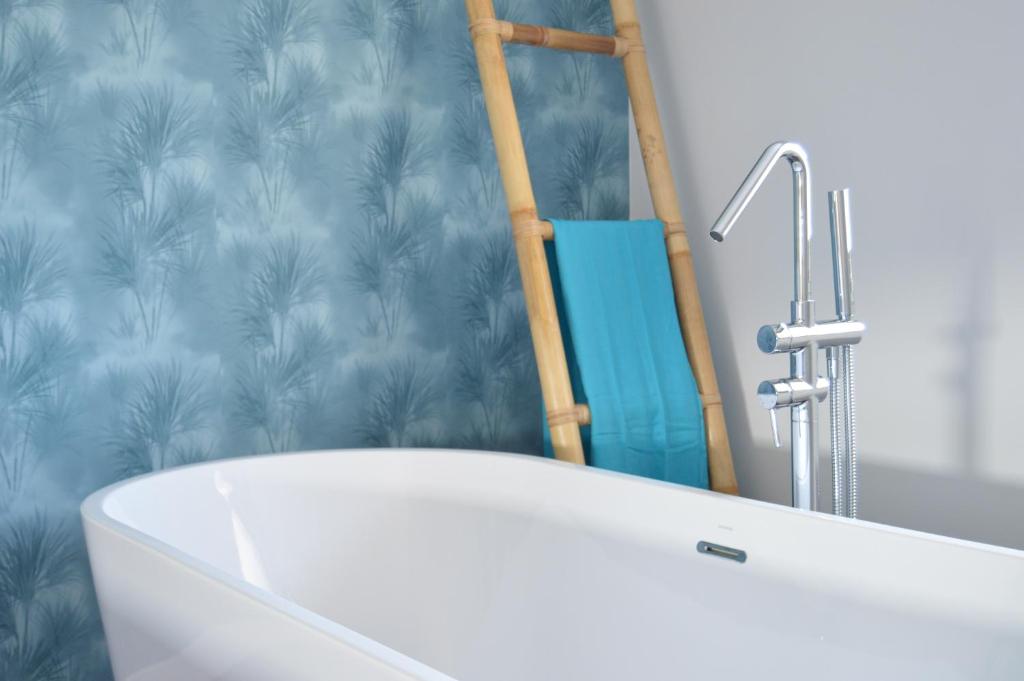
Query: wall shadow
[948, 504]
[969, 339]
[952, 505]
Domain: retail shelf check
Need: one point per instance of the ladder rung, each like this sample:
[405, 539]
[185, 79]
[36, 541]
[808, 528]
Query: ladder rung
[559, 39]
[533, 227]
[554, 38]
[545, 229]
[578, 414]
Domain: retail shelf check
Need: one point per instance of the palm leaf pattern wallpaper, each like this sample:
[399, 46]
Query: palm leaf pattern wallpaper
[252, 226]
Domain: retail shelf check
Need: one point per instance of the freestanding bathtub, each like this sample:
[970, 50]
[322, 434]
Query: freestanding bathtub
[416, 564]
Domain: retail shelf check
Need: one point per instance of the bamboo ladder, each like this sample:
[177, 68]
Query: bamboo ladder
[564, 415]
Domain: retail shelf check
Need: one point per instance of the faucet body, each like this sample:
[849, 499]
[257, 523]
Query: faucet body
[802, 337]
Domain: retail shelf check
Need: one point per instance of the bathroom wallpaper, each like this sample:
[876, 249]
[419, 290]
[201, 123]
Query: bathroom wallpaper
[252, 226]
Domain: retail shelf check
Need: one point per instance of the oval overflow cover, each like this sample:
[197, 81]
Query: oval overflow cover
[708, 548]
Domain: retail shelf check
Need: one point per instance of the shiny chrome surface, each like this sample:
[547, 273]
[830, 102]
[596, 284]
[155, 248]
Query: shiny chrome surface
[842, 403]
[843, 431]
[842, 251]
[776, 338]
[787, 392]
[802, 229]
[801, 391]
[803, 337]
[852, 473]
[839, 470]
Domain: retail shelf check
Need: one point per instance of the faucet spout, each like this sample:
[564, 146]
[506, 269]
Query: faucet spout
[797, 157]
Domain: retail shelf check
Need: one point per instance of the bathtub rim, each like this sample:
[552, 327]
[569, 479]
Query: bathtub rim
[93, 512]
[92, 506]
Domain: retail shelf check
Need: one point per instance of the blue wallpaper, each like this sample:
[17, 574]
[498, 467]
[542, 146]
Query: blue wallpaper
[250, 226]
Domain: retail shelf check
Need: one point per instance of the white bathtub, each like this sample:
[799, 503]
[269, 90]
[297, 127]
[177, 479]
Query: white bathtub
[405, 564]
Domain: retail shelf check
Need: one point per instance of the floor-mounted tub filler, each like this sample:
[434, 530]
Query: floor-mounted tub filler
[803, 337]
[405, 564]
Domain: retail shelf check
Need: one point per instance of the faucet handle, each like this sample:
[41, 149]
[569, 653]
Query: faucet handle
[769, 394]
[775, 394]
[775, 427]
[788, 392]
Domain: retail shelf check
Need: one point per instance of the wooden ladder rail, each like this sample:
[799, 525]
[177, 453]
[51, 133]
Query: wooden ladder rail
[563, 414]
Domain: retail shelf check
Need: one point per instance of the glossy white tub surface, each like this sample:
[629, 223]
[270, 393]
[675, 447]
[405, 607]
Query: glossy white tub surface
[432, 564]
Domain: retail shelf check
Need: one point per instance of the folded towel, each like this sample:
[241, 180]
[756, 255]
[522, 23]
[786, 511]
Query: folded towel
[626, 354]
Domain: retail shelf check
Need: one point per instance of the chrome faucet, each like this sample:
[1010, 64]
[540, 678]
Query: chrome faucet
[802, 337]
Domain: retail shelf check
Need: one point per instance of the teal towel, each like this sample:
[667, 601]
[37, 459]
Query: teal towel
[625, 349]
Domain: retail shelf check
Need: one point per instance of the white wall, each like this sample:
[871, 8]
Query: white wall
[918, 107]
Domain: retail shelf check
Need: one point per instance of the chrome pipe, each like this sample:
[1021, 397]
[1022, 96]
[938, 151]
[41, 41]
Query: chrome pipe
[802, 228]
[804, 433]
[802, 391]
[776, 338]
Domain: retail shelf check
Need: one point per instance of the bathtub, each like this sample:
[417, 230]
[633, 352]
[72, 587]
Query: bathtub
[372, 565]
